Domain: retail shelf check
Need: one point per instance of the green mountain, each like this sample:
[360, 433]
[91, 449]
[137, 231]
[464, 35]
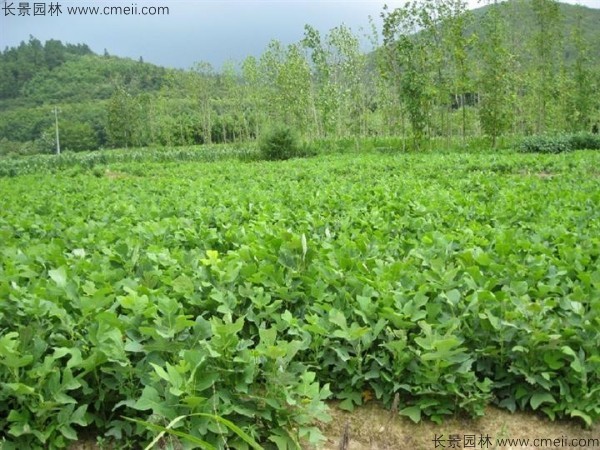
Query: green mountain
[35, 77]
[522, 26]
[33, 74]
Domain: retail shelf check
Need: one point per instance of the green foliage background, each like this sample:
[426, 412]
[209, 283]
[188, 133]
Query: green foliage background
[435, 70]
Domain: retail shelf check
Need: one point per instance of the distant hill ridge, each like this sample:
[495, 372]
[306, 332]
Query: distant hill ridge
[521, 23]
[33, 73]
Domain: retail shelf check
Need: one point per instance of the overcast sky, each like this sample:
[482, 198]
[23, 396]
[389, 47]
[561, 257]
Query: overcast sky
[202, 30]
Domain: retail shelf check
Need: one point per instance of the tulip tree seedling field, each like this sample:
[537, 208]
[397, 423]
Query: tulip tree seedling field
[255, 291]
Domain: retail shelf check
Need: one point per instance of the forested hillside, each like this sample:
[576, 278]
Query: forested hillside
[34, 73]
[522, 22]
[436, 71]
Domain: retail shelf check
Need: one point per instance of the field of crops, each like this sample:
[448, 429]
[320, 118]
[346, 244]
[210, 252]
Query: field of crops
[254, 291]
[13, 166]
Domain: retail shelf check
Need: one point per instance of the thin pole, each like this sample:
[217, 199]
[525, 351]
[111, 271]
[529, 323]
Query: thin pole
[56, 126]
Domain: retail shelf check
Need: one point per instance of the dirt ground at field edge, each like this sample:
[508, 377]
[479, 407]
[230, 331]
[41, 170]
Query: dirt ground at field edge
[371, 427]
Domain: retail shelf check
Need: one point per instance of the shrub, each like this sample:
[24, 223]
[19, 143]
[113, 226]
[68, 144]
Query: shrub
[585, 141]
[9, 147]
[546, 144]
[560, 143]
[12, 148]
[281, 142]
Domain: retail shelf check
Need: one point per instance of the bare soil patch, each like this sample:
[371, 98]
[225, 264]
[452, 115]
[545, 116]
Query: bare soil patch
[112, 175]
[544, 174]
[372, 428]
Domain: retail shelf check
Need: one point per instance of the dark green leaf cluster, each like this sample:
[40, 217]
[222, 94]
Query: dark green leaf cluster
[546, 144]
[21, 64]
[560, 143]
[281, 142]
[585, 141]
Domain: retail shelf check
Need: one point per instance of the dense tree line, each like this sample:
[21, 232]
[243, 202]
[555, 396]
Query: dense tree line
[19, 65]
[434, 71]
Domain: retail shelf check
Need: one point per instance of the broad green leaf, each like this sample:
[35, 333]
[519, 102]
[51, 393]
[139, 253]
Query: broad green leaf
[161, 372]
[413, 412]
[447, 344]
[59, 276]
[78, 416]
[68, 432]
[347, 405]
[19, 388]
[541, 397]
[585, 417]
[183, 285]
[267, 336]
[282, 442]
[151, 400]
[453, 296]
[338, 318]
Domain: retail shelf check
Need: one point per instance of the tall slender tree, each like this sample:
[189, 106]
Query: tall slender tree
[123, 119]
[408, 66]
[253, 98]
[580, 98]
[348, 67]
[324, 105]
[495, 83]
[547, 46]
[202, 86]
[459, 44]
